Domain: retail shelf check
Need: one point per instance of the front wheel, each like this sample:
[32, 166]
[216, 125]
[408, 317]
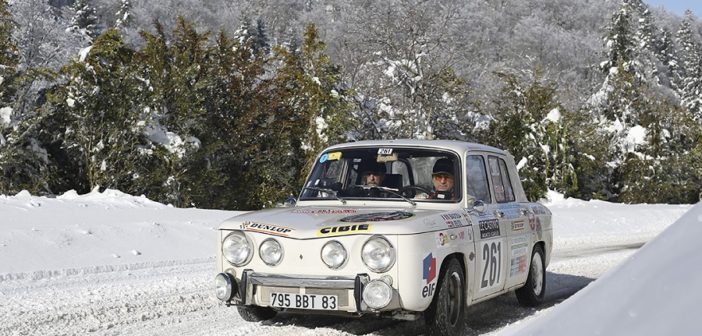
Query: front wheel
[445, 315]
[532, 294]
[256, 314]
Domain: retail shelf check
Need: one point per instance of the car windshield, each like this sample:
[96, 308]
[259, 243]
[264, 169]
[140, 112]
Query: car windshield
[385, 173]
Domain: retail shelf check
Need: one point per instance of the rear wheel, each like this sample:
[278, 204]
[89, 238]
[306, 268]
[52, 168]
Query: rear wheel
[532, 294]
[255, 314]
[445, 315]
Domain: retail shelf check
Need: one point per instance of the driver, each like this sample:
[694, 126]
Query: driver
[373, 174]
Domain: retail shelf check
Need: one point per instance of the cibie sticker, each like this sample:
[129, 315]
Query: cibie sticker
[344, 230]
[333, 156]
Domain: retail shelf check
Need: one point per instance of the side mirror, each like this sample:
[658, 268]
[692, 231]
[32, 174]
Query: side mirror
[478, 206]
[288, 202]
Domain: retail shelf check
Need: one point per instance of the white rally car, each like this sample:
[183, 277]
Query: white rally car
[400, 229]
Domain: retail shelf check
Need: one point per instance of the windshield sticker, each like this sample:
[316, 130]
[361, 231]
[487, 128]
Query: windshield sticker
[489, 228]
[343, 230]
[266, 228]
[378, 217]
[387, 158]
[384, 151]
[333, 156]
[325, 211]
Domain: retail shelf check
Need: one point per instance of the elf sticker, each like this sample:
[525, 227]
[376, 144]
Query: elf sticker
[429, 274]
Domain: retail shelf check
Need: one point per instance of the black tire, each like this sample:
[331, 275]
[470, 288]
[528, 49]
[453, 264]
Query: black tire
[533, 292]
[445, 315]
[256, 314]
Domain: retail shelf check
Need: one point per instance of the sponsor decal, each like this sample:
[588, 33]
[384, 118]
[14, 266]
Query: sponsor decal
[518, 225]
[378, 217]
[343, 230]
[519, 251]
[324, 211]
[266, 228]
[532, 220]
[333, 156]
[443, 238]
[429, 274]
[489, 228]
[518, 265]
[453, 219]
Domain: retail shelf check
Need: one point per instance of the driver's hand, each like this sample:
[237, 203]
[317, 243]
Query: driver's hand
[421, 196]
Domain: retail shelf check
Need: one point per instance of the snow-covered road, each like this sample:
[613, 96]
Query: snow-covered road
[102, 281]
[177, 299]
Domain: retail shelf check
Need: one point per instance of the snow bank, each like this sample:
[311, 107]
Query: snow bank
[596, 223]
[655, 292]
[99, 231]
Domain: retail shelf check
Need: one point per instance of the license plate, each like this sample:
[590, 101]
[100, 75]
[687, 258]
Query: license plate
[304, 301]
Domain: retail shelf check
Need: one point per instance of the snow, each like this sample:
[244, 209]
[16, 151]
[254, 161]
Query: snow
[110, 263]
[554, 115]
[5, 116]
[83, 54]
[636, 136]
[655, 292]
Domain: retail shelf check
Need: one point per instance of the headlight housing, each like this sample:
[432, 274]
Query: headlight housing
[271, 252]
[237, 249]
[377, 294]
[334, 254]
[378, 254]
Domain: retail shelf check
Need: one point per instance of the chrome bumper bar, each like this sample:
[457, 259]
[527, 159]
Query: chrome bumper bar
[289, 281]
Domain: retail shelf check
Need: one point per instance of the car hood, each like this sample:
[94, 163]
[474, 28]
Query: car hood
[317, 222]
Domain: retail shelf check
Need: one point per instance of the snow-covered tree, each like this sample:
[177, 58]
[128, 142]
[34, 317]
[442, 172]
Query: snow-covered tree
[124, 14]
[84, 20]
[531, 125]
[690, 75]
[98, 112]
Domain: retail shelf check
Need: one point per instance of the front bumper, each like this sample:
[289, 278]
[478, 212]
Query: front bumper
[254, 289]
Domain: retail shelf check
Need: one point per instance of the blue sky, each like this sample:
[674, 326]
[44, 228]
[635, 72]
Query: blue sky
[679, 6]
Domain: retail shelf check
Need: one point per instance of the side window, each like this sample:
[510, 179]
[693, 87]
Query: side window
[500, 180]
[477, 179]
[509, 192]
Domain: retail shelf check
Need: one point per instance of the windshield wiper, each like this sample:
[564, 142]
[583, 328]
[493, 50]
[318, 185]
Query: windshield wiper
[329, 191]
[393, 191]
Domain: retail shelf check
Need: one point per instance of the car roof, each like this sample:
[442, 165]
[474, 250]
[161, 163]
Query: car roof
[457, 146]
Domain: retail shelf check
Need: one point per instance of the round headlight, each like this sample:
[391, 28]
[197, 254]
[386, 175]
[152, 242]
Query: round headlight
[378, 254]
[237, 249]
[224, 286]
[333, 254]
[271, 252]
[377, 294]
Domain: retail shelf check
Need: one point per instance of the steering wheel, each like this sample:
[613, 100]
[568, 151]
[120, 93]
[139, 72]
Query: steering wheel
[411, 190]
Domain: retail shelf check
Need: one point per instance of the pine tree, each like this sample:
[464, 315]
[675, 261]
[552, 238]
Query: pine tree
[530, 124]
[690, 75]
[101, 123]
[23, 161]
[176, 70]
[308, 111]
[124, 14]
[84, 20]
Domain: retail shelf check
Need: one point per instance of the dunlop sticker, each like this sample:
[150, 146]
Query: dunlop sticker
[343, 230]
[266, 228]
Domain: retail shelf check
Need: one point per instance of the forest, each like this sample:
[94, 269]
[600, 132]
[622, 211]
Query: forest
[225, 104]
